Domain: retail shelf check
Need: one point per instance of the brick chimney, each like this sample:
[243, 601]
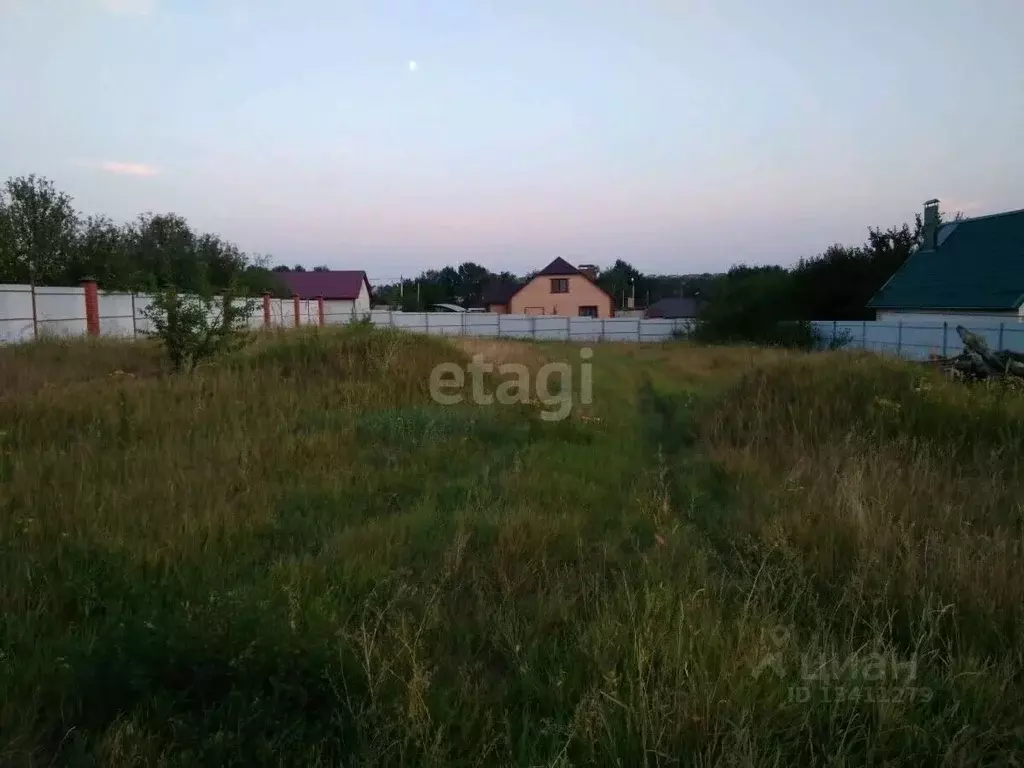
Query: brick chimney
[931, 226]
[590, 270]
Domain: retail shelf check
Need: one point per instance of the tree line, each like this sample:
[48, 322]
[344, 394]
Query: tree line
[44, 240]
[464, 285]
[774, 305]
[745, 302]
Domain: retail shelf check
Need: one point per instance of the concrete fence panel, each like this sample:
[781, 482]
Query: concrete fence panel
[17, 313]
[117, 314]
[482, 324]
[60, 311]
[27, 313]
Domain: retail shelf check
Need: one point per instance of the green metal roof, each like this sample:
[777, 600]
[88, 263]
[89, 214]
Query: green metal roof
[978, 264]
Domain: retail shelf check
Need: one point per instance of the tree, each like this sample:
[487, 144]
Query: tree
[164, 247]
[621, 280]
[44, 240]
[39, 228]
[103, 252]
[196, 326]
[8, 253]
[472, 278]
[752, 304]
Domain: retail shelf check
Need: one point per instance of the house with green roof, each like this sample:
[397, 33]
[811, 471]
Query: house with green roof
[968, 267]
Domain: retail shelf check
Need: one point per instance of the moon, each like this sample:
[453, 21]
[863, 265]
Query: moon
[413, 66]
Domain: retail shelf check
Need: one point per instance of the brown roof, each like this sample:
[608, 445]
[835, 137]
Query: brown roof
[499, 291]
[558, 267]
[336, 284]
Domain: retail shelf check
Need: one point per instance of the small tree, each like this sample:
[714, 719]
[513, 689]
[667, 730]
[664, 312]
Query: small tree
[194, 327]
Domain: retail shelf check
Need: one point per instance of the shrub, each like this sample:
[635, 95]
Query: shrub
[194, 327]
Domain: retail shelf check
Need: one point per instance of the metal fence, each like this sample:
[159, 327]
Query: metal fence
[538, 327]
[918, 339]
[28, 313]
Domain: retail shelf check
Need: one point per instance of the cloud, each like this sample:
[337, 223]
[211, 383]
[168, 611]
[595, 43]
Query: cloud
[952, 205]
[123, 169]
[112, 7]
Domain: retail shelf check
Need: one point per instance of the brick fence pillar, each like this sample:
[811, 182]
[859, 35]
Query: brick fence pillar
[320, 310]
[266, 309]
[92, 307]
[295, 300]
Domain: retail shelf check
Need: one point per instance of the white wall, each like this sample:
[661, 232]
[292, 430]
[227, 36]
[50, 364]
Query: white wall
[362, 303]
[119, 313]
[540, 327]
[16, 313]
[922, 316]
[917, 337]
[60, 310]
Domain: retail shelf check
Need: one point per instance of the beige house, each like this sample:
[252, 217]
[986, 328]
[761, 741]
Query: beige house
[558, 289]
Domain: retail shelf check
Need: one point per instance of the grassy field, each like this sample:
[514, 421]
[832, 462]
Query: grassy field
[294, 557]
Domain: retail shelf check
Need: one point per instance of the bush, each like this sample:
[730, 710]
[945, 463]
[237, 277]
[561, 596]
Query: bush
[753, 307]
[794, 334]
[195, 327]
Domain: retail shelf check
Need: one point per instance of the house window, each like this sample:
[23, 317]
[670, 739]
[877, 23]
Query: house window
[588, 311]
[560, 285]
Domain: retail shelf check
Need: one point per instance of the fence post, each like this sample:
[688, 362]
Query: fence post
[864, 334]
[639, 336]
[266, 309]
[352, 318]
[391, 317]
[92, 306]
[35, 322]
[945, 329]
[533, 327]
[426, 321]
[899, 338]
[320, 310]
[295, 307]
[602, 329]
[1000, 345]
[135, 327]
[462, 320]
[568, 329]
[835, 332]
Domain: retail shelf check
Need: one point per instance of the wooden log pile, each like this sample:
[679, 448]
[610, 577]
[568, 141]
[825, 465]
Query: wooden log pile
[978, 362]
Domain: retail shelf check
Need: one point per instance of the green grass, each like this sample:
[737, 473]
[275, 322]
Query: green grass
[294, 557]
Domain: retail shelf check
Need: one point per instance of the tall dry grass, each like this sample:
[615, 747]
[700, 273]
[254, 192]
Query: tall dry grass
[295, 557]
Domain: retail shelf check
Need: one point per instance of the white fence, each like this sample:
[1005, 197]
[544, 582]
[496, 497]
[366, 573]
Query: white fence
[918, 339]
[540, 327]
[27, 313]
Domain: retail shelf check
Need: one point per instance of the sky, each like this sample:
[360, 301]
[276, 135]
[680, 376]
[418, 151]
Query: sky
[680, 135]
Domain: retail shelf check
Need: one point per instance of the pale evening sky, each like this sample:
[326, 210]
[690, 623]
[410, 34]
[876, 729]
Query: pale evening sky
[681, 135]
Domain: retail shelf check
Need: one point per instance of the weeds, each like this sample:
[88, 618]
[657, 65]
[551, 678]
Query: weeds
[733, 557]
